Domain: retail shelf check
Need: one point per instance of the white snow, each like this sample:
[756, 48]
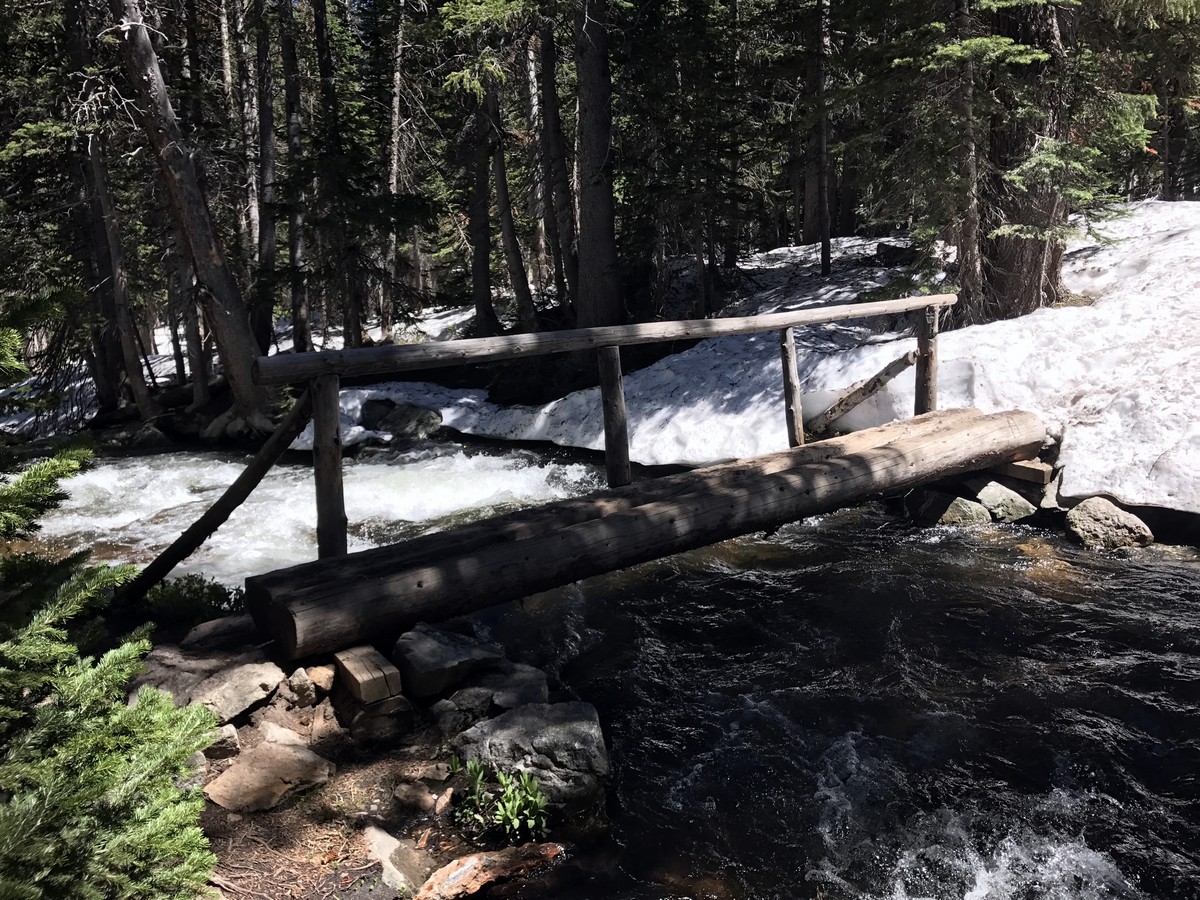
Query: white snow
[1116, 381]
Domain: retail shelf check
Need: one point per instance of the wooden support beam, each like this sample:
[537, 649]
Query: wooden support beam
[360, 568]
[1032, 470]
[286, 368]
[792, 409]
[927, 383]
[327, 466]
[858, 393]
[217, 514]
[616, 418]
[317, 612]
[368, 675]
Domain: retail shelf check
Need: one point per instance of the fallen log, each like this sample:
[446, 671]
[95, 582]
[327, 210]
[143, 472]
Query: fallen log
[323, 606]
[859, 393]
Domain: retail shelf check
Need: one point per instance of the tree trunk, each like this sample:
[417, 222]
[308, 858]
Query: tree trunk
[264, 294]
[301, 338]
[539, 265]
[526, 313]
[554, 154]
[970, 258]
[102, 203]
[344, 244]
[479, 227]
[599, 291]
[822, 137]
[397, 175]
[1023, 270]
[223, 302]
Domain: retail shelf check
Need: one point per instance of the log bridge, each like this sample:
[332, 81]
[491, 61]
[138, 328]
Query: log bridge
[346, 598]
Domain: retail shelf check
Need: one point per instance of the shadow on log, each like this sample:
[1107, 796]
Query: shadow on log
[327, 605]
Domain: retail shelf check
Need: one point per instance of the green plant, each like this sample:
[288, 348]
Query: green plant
[91, 803]
[516, 808]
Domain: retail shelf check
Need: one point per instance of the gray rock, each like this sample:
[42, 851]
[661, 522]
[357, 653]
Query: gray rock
[1102, 525]
[226, 745]
[502, 686]
[405, 868]
[232, 691]
[326, 731]
[149, 437]
[560, 743]
[275, 733]
[262, 777]
[1005, 504]
[179, 672]
[373, 412]
[937, 508]
[1052, 498]
[197, 771]
[431, 661]
[415, 797]
[410, 421]
[224, 633]
[303, 688]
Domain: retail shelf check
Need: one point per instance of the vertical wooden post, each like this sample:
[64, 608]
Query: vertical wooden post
[616, 422]
[327, 467]
[791, 388]
[927, 332]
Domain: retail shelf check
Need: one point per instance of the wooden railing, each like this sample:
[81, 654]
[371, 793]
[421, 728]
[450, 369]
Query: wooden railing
[324, 370]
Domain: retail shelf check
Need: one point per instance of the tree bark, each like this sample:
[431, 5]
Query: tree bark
[554, 154]
[343, 240]
[599, 291]
[298, 278]
[970, 257]
[479, 227]
[539, 265]
[264, 299]
[526, 313]
[397, 175]
[223, 302]
[109, 225]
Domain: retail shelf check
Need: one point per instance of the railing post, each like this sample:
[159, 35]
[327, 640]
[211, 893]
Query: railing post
[927, 386]
[327, 467]
[616, 422]
[791, 388]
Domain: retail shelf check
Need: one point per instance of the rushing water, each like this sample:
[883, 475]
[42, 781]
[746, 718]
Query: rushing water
[850, 708]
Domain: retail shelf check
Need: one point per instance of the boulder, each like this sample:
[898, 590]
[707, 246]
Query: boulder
[178, 671]
[303, 688]
[1102, 525]
[1005, 504]
[262, 777]
[502, 686]
[274, 733]
[232, 691]
[322, 677]
[411, 422]
[224, 633]
[938, 508]
[560, 743]
[431, 661]
[374, 411]
[226, 745]
[405, 868]
[469, 875]
[414, 797]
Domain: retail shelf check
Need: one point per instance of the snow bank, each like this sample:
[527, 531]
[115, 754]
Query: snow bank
[1116, 382]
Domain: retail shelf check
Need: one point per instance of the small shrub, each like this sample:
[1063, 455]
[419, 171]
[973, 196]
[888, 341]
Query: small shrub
[513, 806]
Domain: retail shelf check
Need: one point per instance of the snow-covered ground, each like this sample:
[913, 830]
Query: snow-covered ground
[1117, 382]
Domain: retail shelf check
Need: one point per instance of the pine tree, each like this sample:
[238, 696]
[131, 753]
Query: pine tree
[91, 802]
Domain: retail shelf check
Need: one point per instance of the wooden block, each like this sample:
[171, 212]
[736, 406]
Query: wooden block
[1033, 470]
[367, 674]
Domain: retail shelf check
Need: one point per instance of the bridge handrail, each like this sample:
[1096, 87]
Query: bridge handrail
[287, 368]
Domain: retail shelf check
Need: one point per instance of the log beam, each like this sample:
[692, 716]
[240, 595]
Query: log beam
[286, 368]
[318, 613]
[616, 417]
[859, 393]
[792, 410]
[327, 466]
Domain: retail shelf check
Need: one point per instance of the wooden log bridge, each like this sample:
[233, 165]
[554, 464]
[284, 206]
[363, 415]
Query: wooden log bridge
[339, 601]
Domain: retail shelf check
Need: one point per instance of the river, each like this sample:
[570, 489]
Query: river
[848, 708]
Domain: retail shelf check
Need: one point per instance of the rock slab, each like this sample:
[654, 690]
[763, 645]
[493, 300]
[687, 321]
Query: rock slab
[262, 777]
[1102, 525]
[431, 661]
[1005, 504]
[560, 743]
[232, 691]
[469, 875]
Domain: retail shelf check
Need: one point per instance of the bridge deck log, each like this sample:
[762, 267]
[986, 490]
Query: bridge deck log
[327, 605]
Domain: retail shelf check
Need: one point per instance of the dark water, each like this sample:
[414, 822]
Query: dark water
[856, 709]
